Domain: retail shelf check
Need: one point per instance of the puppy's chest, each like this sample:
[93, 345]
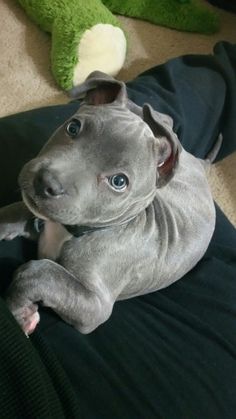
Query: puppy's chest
[51, 240]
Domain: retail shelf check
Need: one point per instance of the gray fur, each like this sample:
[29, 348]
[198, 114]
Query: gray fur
[154, 232]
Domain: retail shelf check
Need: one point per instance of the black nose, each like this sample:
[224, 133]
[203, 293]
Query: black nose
[47, 185]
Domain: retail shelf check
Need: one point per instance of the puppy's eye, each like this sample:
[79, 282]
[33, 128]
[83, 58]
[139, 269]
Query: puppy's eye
[118, 182]
[73, 128]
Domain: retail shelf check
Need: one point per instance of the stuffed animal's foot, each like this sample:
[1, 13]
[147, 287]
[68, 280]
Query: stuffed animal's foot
[75, 56]
[103, 47]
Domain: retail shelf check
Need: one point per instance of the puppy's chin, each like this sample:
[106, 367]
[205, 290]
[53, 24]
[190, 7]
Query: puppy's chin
[32, 206]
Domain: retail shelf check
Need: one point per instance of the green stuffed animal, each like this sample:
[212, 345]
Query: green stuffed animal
[86, 36]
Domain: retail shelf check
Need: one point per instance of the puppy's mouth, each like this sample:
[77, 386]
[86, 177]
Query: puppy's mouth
[30, 203]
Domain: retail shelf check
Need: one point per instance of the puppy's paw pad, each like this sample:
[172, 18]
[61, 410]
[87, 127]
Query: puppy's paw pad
[31, 323]
[27, 317]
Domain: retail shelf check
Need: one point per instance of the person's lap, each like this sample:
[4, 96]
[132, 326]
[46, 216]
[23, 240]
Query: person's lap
[171, 353]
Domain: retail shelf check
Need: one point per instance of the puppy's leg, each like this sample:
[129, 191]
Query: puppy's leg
[83, 306]
[16, 220]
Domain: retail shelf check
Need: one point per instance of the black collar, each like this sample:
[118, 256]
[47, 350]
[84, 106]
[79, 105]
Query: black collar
[78, 231]
[75, 230]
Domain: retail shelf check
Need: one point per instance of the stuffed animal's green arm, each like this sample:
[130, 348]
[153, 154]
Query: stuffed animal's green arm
[85, 36]
[185, 15]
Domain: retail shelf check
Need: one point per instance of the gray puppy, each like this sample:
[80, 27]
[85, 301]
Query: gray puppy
[126, 210]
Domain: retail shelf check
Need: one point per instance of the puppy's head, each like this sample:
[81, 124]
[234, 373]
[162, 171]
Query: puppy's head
[103, 165]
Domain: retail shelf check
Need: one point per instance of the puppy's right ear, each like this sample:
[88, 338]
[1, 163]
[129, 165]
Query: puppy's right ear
[100, 89]
[167, 146]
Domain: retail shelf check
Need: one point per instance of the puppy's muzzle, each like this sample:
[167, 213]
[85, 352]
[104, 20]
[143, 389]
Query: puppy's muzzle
[47, 185]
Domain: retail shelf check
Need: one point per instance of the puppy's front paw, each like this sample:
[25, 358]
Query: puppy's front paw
[22, 295]
[27, 318]
[7, 233]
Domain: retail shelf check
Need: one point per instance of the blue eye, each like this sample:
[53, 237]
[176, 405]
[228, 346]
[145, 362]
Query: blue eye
[119, 182]
[73, 128]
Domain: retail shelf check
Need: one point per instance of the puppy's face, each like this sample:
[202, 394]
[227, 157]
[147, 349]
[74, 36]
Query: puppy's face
[101, 167]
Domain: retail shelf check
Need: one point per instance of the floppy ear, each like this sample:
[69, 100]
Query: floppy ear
[100, 89]
[167, 146]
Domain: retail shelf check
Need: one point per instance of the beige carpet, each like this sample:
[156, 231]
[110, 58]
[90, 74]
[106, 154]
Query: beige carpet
[26, 81]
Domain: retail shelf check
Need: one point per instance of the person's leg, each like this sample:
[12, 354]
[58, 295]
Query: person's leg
[33, 383]
[199, 93]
